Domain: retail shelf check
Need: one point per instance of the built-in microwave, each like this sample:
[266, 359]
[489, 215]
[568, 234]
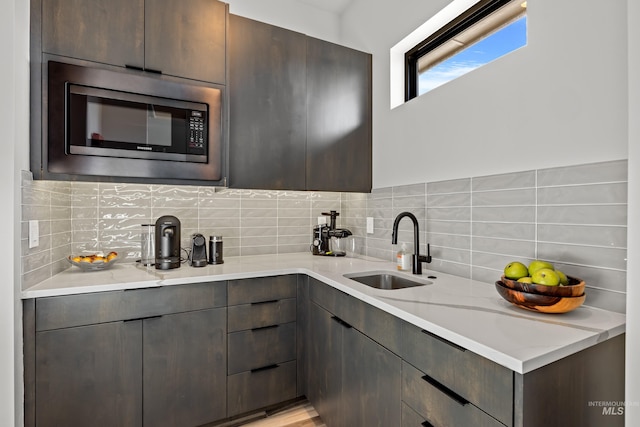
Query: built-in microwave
[124, 124]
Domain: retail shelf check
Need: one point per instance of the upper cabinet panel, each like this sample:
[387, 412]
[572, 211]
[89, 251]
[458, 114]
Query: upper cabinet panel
[106, 31]
[186, 39]
[339, 118]
[267, 96]
[177, 38]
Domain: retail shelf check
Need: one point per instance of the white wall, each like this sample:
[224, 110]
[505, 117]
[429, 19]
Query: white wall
[633, 244]
[560, 100]
[14, 119]
[290, 14]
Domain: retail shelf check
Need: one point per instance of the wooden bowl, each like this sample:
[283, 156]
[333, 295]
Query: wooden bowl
[538, 302]
[575, 288]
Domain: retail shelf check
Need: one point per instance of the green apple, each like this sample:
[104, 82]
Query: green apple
[515, 270]
[546, 276]
[564, 280]
[536, 265]
[525, 279]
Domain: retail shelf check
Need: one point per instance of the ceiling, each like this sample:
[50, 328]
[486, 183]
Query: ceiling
[334, 6]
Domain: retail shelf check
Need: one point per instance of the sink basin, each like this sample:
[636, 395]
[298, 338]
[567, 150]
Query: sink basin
[387, 280]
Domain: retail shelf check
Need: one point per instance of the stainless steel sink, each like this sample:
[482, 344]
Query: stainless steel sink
[387, 280]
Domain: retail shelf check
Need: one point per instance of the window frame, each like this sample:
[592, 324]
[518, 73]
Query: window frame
[465, 20]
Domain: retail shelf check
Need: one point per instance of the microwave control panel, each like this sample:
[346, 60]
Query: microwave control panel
[197, 133]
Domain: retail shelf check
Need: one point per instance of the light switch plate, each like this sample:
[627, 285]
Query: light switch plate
[34, 233]
[370, 225]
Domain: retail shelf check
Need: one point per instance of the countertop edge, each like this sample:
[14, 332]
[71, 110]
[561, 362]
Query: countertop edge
[158, 279]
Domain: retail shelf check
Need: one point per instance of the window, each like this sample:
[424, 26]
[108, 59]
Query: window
[484, 32]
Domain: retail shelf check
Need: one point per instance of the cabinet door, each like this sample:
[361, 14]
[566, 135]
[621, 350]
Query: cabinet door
[267, 96]
[107, 31]
[325, 366]
[372, 384]
[186, 39]
[339, 112]
[90, 376]
[185, 368]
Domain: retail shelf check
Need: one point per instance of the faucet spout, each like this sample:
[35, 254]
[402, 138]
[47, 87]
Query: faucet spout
[417, 258]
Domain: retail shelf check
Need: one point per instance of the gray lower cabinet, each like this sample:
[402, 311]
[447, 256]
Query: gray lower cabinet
[325, 366]
[184, 378]
[353, 380]
[89, 376]
[149, 357]
[262, 343]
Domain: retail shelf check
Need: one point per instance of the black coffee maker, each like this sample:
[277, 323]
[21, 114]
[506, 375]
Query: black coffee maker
[167, 242]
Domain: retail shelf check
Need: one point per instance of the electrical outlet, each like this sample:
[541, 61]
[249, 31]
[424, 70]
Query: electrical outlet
[369, 225]
[322, 220]
[34, 233]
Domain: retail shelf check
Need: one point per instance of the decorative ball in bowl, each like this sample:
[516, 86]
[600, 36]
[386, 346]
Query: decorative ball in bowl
[93, 262]
[575, 288]
[539, 302]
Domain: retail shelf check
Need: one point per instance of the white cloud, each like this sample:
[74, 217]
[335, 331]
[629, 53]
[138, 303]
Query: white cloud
[443, 73]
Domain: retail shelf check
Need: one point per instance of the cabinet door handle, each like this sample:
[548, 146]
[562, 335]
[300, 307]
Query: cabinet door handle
[143, 289]
[449, 343]
[426, 424]
[142, 318]
[446, 390]
[265, 302]
[265, 368]
[261, 328]
[138, 68]
[133, 67]
[342, 322]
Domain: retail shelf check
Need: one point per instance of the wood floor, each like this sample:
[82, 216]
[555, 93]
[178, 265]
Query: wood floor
[298, 414]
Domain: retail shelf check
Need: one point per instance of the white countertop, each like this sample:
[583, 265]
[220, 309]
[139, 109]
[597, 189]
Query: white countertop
[466, 312]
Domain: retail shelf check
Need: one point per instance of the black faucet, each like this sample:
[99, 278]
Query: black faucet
[417, 258]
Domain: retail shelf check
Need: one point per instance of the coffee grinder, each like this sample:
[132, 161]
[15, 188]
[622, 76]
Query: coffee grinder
[167, 242]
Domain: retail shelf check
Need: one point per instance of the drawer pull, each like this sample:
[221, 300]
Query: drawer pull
[446, 390]
[265, 368]
[143, 289]
[133, 67]
[265, 302]
[342, 322]
[432, 335]
[426, 424]
[142, 318]
[261, 328]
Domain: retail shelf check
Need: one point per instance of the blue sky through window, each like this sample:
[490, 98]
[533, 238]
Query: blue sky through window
[503, 41]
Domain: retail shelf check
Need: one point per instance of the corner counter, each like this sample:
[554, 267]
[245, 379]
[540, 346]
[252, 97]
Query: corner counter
[465, 312]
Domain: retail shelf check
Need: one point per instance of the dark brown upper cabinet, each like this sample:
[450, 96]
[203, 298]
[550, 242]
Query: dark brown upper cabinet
[338, 118]
[300, 111]
[166, 36]
[267, 106]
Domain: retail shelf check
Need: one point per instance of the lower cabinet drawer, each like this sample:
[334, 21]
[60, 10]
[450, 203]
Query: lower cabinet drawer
[261, 347]
[484, 383]
[262, 314]
[261, 387]
[438, 405]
